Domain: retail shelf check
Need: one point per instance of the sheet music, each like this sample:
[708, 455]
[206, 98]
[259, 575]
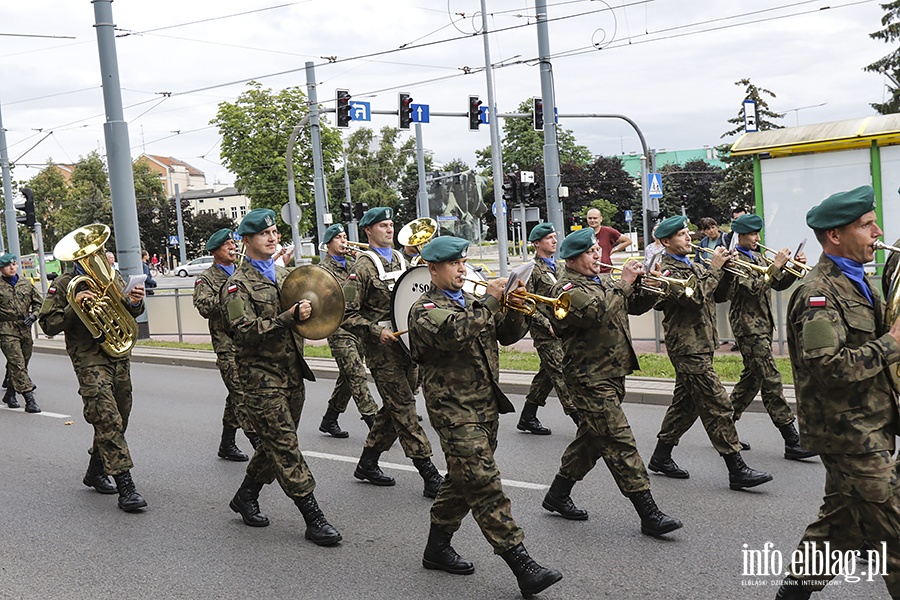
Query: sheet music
[134, 281]
[522, 272]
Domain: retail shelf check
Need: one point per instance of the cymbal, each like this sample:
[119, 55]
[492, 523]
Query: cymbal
[313, 283]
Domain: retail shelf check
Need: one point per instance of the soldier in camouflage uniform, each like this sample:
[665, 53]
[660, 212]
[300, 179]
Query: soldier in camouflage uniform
[453, 336]
[549, 348]
[598, 355]
[270, 362]
[752, 323]
[345, 347]
[842, 351]
[368, 296]
[104, 384]
[19, 304]
[689, 324]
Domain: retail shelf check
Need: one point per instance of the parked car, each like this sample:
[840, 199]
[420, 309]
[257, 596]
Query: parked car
[194, 267]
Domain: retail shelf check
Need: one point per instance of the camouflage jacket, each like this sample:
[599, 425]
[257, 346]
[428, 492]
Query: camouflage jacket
[457, 348]
[58, 317]
[341, 274]
[269, 350]
[368, 299]
[751, 300]
[890, 269]
[841, 355]
[689, 322]
[595, 333]
[541, 281]
[208, 301]
[17, 302]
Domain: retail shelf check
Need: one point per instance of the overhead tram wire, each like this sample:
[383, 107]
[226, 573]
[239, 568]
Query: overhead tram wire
[127, 33]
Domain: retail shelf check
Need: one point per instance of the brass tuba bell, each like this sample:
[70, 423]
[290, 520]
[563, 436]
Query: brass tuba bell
[416, 234]
[104, 315]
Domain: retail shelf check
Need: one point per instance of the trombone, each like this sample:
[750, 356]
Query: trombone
[560, 304]
[735, 265]
[661, 285]
[794, 267]
[353, 245]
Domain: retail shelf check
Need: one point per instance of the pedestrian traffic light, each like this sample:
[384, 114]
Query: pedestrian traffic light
[360, 209]
[509, 189]
[346, 212]
[474, 113]
[405, 110]
[26, 206]
[538, 114]
[343, 109]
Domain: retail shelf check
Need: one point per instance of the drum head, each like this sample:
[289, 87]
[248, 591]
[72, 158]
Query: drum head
[412, 284]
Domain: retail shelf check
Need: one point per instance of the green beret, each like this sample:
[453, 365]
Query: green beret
[540, 231]
[443, 248]
[332, 232]
[376, 215]
[670, 227]
[217, 239]
[747, 224]
[577, 243]
[256, 220]
[7, 259]
[842, 208]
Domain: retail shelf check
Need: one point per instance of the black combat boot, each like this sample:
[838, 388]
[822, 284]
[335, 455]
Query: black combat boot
[744, 446]
[129, 499]
[96, 477]
[558, 500]
[430, 475]
[532, 577]
[368, 470]
[661, 462]
[254, 439]
[576, 418]
[228, 448]
[440, 555]
[369, 420]
[740, 476]
[790, 590]
[653, 521]
[31, 405]
[318, 530]
[10, 397]
[792, 448]
[529, 421]
[330, 424]
[246, 502]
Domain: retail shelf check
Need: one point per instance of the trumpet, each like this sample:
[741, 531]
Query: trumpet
[794, 267]
[324, 247]
[660, 285]
[736, 266]
[560, 304]
[879, 245]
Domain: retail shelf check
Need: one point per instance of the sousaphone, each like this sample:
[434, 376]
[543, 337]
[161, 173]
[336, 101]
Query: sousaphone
[313, 283]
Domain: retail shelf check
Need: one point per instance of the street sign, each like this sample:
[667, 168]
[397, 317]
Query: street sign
[628, 216]
[173, 240]
[750, 124]
[447, 218]
[286, 213]
[484, 116]
[494, 208]
[420, 113]
[361, 111]
[527, 176]
[654, 184]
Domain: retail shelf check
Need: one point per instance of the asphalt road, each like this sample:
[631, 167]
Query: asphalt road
[62, 540]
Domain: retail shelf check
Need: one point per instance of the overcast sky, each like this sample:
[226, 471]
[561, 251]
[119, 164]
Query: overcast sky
[670, 65]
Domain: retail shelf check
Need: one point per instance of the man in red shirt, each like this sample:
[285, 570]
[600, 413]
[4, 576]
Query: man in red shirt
[608, 239]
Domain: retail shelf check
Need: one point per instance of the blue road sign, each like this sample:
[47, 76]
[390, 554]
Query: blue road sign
[494, 208]
[173, 240]
[360, 111]
[654, 185]
[420, 113]
[628, 216]
[483, 115]
[447, 218]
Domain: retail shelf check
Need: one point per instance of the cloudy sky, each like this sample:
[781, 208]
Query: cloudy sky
[670, 65]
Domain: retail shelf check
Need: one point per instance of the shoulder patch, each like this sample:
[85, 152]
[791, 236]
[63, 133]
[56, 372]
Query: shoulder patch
[232, 288]
[429, 305]
[235, 309]
[817, 302]
[818, 334]
[439, 315]
[52, 290]
[352, 276]
[198, 281]
[567, 286]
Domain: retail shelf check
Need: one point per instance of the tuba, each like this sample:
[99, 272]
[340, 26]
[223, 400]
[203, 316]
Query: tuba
[104, 315]
[892, 304]
[416, 234]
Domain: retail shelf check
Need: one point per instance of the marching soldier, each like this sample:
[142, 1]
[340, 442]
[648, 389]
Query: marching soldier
[689, 325]
[345, 347]
[841, 352]
[368, 295]
[270, 362]
[548, 346]
[453, 337]
[752, 323]
[598, 355]
[19, 304]
[208, 301]
[104, 383]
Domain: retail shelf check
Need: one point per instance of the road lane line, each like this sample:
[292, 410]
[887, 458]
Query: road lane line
[43, 413]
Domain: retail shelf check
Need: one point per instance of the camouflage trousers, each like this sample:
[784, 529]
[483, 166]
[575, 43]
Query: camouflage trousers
[395, 378]
[351, 379]
[760, 372]
[604, 432]
[550, 375]
[105, 391]
[17, 350]
[275, 414]
[473, 483]
[235, 414]
[699, 393]
[862, 503]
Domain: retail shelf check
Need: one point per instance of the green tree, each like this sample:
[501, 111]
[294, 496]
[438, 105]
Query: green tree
[889, 64]
[691, 185]
[150, 197]
[51, 193]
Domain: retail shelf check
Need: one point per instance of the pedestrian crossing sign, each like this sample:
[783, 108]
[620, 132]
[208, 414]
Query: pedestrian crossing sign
[654, 184]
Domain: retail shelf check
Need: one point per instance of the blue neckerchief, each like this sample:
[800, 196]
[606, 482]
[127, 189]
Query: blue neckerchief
[79, 270]
[341, 260]
[266, 267]
[683, 259]
[595, 278]
[11, 280]
[385, 253]
[550, 263]
[229, 269]
[457, 295]
[855, 273]
[745, 252]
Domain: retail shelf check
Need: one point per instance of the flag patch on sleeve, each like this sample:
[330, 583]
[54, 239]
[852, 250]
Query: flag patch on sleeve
[232, 288]
[51, 290]
[567, 286]
[817, 302]
[196, 283]
[352, 276]
[429, 305]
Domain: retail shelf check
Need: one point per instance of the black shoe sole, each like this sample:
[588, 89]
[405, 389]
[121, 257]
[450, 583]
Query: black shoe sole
[235, 508]
[378, 482]
[663, 531]
[326, 542]
[439, 567]
[534, 431]
[431, 495]
[341, 435]
[541, 586]
[744, 486]
[33, 411]
[671, 474]
[234, 457]
[133, 507]
[800, 456]
[107, 491]
[546, 505]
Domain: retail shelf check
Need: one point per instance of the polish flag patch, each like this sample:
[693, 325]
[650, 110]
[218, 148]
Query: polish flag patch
[667, 273]
[430, 305]
[817, 302]
[232, 289]
[51, 290]
[352, 277]
[198, 282]
[567, 286]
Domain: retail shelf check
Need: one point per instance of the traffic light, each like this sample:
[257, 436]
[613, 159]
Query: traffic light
[538, 114]
[359, 210]
[346, 212]
[509, 189]
[343, 109]
[405, 110]
[474, 113]
[27, 206]
[528, 191]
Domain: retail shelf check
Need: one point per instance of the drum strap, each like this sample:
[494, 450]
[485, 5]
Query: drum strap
[391, 276]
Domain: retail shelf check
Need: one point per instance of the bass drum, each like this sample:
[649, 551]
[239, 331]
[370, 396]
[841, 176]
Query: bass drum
[412, 284]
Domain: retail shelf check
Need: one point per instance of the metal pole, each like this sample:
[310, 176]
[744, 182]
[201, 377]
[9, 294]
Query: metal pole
[12, 226]
[352, 229]
[39, 242]
[318, 174]
[180, 226]
[551, 149]
[645, 201]
[496, 153]
[422, 208]
[292, 192]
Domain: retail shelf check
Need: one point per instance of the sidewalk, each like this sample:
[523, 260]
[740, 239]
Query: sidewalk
[640, 390]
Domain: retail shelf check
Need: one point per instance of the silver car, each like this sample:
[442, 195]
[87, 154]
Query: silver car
[194, 267]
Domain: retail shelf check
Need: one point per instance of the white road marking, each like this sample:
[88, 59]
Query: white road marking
[43, 413]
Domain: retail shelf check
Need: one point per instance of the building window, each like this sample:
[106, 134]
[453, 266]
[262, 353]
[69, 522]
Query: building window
[201, 200]
[243, 211]
[234, 212]
[221, 211]
[221, 199]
